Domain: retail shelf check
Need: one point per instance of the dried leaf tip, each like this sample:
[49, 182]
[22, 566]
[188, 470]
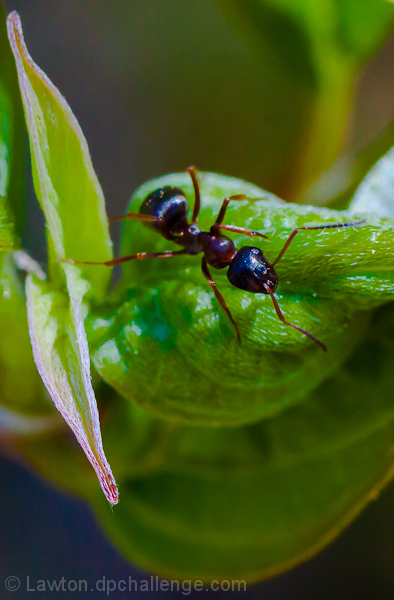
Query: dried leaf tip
[14, 23]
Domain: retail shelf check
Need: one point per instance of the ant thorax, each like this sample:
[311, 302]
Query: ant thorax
[219, 250]
[190, 239]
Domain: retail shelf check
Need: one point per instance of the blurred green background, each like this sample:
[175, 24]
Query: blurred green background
[157, 86]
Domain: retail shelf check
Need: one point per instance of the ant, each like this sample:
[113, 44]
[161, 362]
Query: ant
[165, 210]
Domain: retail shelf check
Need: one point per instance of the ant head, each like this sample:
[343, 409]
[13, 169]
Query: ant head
[167, 203]
[252, 272]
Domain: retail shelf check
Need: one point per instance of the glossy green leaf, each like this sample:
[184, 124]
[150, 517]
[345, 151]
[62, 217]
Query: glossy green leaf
[168, 320]
[250, 502]
[71, 198]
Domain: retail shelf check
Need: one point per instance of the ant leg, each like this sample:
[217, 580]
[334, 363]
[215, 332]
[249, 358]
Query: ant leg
[218, 223]
[197, 200]
[226, 202]
[165, 232]
[243, 230]
[135, 217]
[123, 259]
[219, 297]
[306, 228]
[282, 318]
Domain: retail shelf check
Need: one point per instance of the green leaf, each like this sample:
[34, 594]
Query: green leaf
[165, 318]
[62, 358]
[72, 201]
[64, 179]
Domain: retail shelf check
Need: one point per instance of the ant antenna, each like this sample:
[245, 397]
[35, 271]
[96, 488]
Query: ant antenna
[310, 227]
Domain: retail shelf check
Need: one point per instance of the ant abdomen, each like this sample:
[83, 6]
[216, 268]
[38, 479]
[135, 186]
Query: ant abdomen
[167, 203]
[251, 271]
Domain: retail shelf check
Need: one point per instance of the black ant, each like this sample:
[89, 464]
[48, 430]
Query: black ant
[165, 210]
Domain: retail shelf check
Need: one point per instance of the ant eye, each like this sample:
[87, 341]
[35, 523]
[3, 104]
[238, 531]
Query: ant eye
[167, 203]
[251, 271]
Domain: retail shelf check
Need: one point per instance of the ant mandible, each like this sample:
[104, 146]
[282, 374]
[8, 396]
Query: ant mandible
[165, 210]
